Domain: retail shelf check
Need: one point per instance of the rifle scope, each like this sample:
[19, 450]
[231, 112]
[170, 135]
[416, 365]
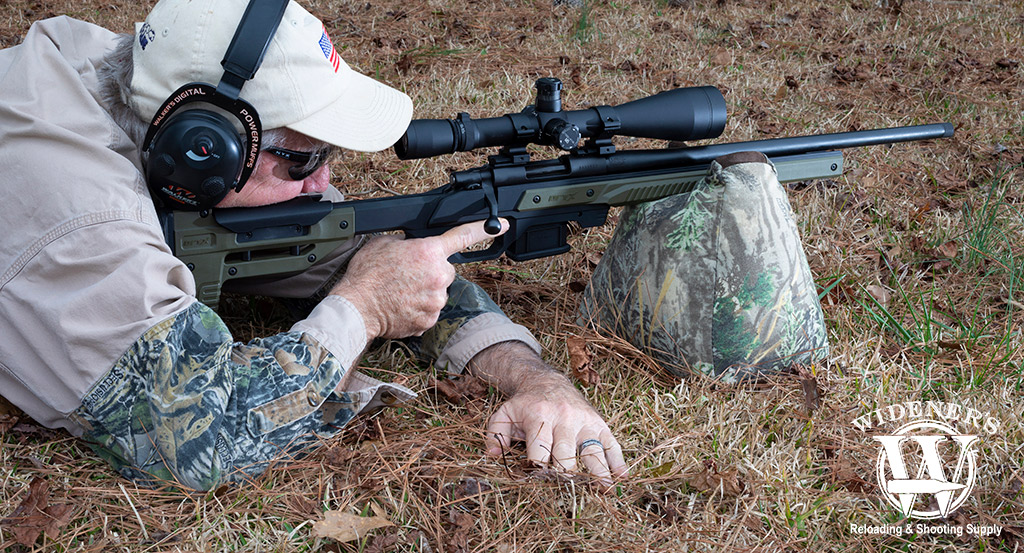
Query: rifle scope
[680, 114]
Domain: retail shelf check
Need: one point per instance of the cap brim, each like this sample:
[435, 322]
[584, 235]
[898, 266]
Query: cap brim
[368, 117]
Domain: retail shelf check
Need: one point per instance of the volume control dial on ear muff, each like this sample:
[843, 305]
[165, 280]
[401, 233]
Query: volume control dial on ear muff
[161, 165]
[215, 187]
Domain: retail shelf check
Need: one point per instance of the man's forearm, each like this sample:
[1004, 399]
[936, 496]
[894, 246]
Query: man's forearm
[513, 366]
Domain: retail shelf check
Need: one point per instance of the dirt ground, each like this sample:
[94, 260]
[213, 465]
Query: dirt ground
[917, 251]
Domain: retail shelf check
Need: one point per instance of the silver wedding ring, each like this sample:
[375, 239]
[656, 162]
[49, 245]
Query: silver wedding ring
[590, 442]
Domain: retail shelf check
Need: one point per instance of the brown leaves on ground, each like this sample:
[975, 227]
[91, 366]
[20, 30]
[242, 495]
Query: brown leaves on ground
[939, 258]
[344, 526]
[858, 73]
[7, 422]
[469, 491]
[727, 482]
[581, 361]
[35, 516]
[461, 525]
[461, 389]
[809, 385]
[879, 293]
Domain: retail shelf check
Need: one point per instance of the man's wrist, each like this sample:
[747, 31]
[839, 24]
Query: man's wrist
[370, 322]
[511, 367]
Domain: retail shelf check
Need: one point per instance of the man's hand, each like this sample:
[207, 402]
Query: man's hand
[546, 412]
[399, 286]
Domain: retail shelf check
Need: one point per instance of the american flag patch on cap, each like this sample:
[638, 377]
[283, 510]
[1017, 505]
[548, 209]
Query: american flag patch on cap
[329, 52]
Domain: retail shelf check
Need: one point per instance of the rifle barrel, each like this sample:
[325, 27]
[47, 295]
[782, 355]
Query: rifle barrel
[632, 161]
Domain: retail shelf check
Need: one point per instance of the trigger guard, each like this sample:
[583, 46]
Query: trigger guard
[494, 251]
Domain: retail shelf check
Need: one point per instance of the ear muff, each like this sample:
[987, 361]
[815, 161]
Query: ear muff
[196, 156]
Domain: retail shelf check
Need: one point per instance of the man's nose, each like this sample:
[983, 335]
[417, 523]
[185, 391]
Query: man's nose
[318, 182]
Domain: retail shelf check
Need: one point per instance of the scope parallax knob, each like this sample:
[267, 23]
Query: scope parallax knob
[563, 134]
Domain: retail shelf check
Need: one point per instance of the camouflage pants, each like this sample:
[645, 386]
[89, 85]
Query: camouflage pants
[714, 281]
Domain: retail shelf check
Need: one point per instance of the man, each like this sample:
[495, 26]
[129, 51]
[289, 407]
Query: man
[100, 331]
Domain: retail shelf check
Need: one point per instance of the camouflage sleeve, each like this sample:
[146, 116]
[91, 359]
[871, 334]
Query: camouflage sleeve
[469, 323]
[187, 405]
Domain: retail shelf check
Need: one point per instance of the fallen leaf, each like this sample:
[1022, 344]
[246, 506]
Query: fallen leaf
[470, 489]
[339, 456]
[712, 480]
[880, 294]
[809, 384]
[922, 210]
[722, 58]
[460, 389]
[845, 74]
[948, 250]
[34, 516]
[581, 361]
[6, 423]
[463, 523]
[380, 544]
[781, 92]
[344, 526]
[663, 469]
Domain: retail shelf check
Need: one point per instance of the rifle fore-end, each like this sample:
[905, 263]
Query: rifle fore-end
[644, 188]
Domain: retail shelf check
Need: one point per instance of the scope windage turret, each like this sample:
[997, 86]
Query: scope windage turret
[680, 114]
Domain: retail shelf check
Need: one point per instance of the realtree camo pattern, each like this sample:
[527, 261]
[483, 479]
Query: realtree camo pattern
[714, 281]
[186, 405]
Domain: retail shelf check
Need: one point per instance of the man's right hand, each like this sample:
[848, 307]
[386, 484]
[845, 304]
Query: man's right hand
[400, 285]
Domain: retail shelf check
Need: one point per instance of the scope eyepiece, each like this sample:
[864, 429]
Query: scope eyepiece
[680, 114]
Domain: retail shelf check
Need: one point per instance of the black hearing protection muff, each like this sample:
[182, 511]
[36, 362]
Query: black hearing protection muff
[197, 156]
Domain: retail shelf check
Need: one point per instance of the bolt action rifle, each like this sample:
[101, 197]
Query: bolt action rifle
[539, 198]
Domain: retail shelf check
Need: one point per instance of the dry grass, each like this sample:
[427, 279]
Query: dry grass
[713, 467]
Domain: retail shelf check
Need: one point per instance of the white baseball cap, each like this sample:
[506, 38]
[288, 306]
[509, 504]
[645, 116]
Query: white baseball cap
[303, 83]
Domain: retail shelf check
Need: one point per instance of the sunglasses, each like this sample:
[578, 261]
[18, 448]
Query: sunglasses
[306, 163]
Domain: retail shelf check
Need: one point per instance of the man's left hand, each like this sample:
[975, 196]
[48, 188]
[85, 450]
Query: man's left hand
[548, 413]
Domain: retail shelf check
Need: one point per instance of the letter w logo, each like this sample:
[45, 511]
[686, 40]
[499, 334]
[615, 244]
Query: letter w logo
[902, 490]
